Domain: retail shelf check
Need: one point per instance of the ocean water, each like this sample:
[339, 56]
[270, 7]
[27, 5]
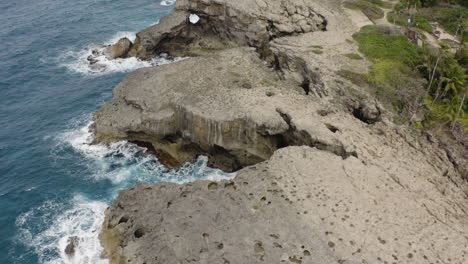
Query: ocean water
[53, 183]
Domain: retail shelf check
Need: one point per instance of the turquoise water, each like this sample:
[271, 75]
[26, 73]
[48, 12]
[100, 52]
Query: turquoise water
[53, 183]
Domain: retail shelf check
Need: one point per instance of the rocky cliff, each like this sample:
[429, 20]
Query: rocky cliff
[325, 175]
[224, 24]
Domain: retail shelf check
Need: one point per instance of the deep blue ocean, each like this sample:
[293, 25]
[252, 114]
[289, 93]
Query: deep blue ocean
[53, 183]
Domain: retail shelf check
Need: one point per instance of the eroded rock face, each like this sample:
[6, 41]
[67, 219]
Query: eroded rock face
[211, 112]
[204, 112]
[302, 206]
[226, 24]
[360, 189]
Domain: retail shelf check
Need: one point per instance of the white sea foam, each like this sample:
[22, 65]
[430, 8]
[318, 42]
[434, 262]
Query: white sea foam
[168, 2]
[77, 61]
[47, 228]
[133, 163]
[83, 220]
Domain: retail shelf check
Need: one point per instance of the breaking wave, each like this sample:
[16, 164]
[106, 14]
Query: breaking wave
[77, 61]
[47, 228]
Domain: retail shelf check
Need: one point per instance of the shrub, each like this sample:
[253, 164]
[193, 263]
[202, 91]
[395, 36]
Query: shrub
[395, 84]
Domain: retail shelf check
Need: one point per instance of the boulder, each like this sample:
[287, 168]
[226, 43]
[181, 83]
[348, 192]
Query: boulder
[121, 48]
[72, 244]
[368, 111]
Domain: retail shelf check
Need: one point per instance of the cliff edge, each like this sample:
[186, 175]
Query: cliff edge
[324, 175]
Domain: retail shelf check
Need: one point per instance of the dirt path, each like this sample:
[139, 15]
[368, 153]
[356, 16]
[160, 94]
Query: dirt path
[384, 20]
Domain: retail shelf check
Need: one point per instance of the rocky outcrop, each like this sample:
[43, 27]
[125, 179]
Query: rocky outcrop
[120, 49]
[302, 206]
[325, 175]
[224, 24]
[72, 244]
[229, 106]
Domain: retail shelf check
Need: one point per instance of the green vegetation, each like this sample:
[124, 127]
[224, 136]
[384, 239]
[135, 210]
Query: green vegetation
[378, 46]
[413, 80]
[380, 3]
[401, 19]
[317, 51]
[453, 18]
[353, 56]
[447, 113]
[370, 8]
[358, 79]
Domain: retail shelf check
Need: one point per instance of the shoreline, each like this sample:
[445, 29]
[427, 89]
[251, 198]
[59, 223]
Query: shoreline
[318, 157]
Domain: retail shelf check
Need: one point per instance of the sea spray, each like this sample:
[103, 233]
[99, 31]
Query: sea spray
[77, 60]
[48, 228]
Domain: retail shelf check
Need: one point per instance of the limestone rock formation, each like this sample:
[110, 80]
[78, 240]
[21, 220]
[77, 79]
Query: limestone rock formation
[209, 111]
[302, 206]
[325, 175]
[226, 23]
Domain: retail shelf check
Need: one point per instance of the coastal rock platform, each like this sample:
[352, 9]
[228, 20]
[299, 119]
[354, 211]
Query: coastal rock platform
[323, 173]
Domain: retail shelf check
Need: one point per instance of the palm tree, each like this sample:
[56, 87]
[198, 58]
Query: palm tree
[455, 79]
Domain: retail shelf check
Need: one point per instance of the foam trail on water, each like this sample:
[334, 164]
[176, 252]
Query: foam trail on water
[77, 61]
[48, 228]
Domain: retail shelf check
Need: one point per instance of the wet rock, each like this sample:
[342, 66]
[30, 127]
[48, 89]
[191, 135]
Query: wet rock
[72, 244]
[121, 48]
[92, 60]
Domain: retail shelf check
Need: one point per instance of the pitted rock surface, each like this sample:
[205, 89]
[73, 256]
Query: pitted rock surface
[302, 206]
[326, 176]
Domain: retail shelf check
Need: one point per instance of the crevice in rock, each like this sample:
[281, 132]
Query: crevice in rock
[306, 86]
[296, 68]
